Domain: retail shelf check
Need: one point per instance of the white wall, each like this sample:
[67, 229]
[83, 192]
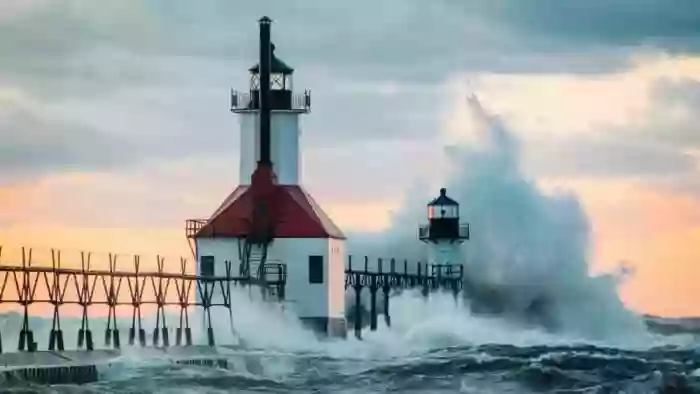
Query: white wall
[336, 278]
[304, 298]
[285, 132]
[249, 146]
[222, 249]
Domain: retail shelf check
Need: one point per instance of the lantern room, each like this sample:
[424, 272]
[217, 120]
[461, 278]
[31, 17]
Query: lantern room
[282, 98]
[443, 207]
[443, 221]
[280, 74]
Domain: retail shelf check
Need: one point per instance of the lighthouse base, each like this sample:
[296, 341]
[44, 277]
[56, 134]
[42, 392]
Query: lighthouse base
[332, 327]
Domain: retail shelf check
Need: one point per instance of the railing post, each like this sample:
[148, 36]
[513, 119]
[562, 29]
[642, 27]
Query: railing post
[307, 99]
[26, 296]
[234, 99]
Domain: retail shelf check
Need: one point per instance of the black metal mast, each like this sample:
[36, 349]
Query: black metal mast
[265, 66]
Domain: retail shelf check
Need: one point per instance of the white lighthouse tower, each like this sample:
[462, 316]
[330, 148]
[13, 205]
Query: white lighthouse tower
[269, 223]
[444, 233]
[286, 110]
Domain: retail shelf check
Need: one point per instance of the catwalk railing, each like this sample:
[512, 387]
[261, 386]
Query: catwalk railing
[386, 276]
[19, 283]
[281, 99]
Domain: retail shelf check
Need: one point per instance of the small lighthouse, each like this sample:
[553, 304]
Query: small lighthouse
[269, 223]
[444, 233]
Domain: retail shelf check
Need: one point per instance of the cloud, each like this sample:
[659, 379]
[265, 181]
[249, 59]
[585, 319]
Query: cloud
[165, 192]
[366, 172]
[34, 140]
[135, 81]
[398, 40]
[140, 124]
[606, 155]
[676, 119]
[670, 27]
[639, 125]
[656, 148]
[11, 9]
[155, 196]
[373, 115]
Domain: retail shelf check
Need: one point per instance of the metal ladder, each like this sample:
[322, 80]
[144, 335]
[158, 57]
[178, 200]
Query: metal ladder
[254, 258]
[256, 261]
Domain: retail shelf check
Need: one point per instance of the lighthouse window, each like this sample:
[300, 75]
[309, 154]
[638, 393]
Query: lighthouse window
[206, 267]
[443, 212]
[315, 269]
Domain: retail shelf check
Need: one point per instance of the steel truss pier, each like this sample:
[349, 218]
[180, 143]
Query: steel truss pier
[136, 288]
[19, 283]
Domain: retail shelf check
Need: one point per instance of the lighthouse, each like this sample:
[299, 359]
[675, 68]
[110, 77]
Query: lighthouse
[443, 234]
[269, 223]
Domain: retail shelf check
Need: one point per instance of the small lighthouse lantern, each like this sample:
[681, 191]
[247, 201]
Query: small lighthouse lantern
[282, 97]
[280, 74]
[443, 222]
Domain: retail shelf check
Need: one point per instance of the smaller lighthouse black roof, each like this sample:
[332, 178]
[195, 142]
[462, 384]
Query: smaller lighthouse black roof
[277, 66]
[443, 199]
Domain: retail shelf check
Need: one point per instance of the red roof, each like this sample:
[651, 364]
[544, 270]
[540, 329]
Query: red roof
[293, 211]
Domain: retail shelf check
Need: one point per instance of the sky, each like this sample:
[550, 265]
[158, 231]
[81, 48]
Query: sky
[115, 124]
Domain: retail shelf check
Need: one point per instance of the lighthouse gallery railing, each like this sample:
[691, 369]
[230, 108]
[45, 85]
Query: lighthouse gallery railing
[424, 231]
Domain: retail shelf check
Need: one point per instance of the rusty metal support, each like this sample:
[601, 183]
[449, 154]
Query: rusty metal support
[56, 293]
[206, 294]
[111, 292]
[183, 289]
[136, 293]
[25, 293]
[85, 288]
[57, 280]
[160, 291]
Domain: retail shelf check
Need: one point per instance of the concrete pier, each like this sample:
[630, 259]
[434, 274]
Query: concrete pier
[81, 367]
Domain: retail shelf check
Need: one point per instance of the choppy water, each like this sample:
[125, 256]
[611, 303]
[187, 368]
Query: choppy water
[433, 346]
[465, 369]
